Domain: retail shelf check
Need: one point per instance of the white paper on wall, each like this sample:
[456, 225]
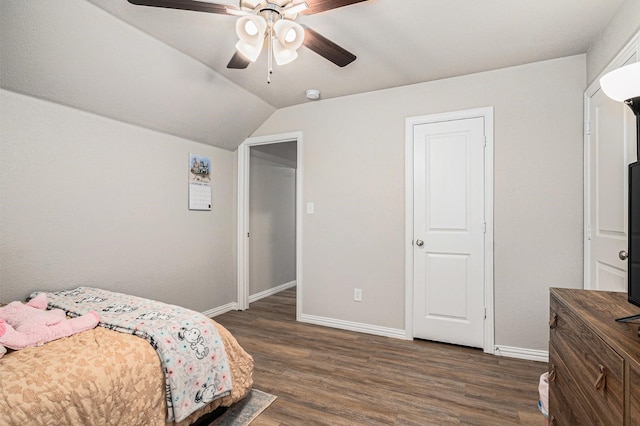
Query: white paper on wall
[199, 182]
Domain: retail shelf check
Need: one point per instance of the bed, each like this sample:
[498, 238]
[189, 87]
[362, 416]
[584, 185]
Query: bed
[101, 377]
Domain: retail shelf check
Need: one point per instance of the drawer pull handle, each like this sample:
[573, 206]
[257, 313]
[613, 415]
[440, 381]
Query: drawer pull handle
[553, 322]
[601, 381]
[552, 374]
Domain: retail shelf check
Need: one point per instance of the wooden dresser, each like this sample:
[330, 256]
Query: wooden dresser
[594, 361]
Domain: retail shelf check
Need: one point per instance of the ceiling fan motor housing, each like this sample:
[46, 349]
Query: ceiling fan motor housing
[269, 8]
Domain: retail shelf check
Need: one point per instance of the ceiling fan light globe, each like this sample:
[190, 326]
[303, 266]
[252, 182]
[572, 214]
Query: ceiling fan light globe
[622, 83]
[282, 55]
[251, 28]
[289, 33]
[291, 36]
[250, 51]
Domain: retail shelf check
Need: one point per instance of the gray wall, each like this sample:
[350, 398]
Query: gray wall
[272, 221]
[354, 172]
[89, 201]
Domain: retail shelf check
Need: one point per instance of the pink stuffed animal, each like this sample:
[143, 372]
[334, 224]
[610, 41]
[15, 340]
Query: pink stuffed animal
[30, 324]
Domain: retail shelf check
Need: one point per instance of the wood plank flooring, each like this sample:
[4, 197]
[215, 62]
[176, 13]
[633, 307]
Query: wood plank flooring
[325, 376]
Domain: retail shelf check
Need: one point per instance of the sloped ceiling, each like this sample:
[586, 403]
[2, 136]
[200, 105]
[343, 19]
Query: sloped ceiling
[166, 69]
[76, 54]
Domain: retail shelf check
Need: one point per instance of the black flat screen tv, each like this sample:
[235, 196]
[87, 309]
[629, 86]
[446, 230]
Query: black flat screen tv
[633, 251]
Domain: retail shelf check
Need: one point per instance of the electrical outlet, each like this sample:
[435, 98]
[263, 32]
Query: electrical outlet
[357, 294]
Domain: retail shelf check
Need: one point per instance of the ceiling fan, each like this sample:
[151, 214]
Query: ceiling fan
[271, 23]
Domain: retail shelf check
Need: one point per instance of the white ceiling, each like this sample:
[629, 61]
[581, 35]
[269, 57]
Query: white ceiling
[397, 42]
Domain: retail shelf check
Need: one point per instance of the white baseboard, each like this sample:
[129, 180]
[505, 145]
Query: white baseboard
[233, 306]
[271, 291]
[354, 326]
[522, 353]
[505, 351]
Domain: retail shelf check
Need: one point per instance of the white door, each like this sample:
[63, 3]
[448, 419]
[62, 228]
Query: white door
[449, 228]
[611, 146]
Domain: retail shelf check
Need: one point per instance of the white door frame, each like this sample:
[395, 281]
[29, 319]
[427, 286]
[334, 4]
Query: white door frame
[243, 214]
[629, 51]
[487, 114]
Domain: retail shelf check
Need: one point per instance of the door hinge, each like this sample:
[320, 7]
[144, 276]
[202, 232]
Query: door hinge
[485, 141]
[247, 235]
[484, 227]
[587, 127]
[588, 232]
[485, 313]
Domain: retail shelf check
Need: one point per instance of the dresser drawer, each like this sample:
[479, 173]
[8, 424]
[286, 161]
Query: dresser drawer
[567, 404]
[596, 369]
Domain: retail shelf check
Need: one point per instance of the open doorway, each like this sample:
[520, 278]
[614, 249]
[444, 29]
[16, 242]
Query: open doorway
[269, 213]
[272, 219]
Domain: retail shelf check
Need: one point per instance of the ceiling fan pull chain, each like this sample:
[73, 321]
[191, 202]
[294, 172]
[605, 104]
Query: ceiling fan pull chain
[270, 49]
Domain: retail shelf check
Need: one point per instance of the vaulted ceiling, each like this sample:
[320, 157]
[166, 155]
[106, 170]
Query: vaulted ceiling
[397, 42]
[165, 69]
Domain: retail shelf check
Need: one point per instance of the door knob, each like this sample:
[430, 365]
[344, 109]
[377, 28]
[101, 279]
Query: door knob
[419, 243]
[623, 255]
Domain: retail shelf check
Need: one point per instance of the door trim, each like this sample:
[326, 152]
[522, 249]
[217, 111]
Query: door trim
[243, 214]
[487, 114]
[631, 50]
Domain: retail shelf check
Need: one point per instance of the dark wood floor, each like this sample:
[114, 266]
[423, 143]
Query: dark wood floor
[326, 376]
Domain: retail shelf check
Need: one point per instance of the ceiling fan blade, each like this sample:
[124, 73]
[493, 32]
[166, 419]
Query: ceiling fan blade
[317, 6]
[196, 6]
[295, 8]
[326, 48]
[238, 62]
[238, 12]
